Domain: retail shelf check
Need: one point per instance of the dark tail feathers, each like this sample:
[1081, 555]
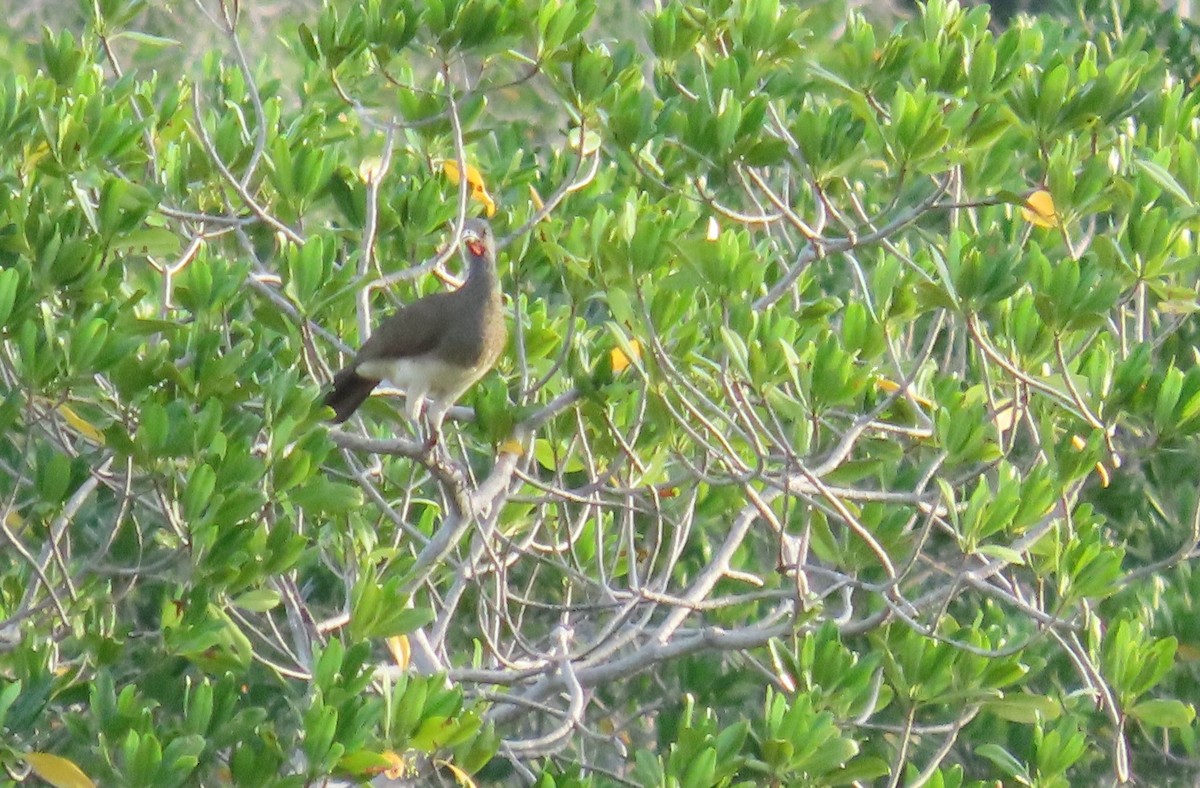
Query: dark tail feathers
[348, 392]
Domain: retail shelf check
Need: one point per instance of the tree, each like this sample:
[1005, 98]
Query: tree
[846, 432]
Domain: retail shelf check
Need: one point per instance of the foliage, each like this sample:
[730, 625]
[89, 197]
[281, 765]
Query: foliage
[847, 430]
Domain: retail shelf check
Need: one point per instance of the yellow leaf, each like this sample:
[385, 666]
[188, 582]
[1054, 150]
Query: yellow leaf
[81, 425]
[1006, 415]
[57, 771]
[401, 651]
[538, 204]
[891, 387]
[482, 197]
[13, 519]
[620, 362]
[512, 446]
[399, 766]
[462, 777]
[32, 157]
[1039, 209]
[475, 181]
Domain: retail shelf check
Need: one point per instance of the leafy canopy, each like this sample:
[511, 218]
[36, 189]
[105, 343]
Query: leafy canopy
[847, 429]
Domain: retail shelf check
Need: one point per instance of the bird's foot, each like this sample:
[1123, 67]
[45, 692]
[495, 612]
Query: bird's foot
[430, 442]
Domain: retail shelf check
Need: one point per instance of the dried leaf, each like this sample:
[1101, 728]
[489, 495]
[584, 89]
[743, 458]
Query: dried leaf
[401, 650]
[891, 387]
[512, 446]
[57, 771]
[399, 767]
[1039, 209]
[538, 203]
[463, 778]
[621, 362]
[81, 425]
[1006, 416]
[478, 189]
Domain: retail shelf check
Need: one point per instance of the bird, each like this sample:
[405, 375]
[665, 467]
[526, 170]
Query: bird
[436, 347]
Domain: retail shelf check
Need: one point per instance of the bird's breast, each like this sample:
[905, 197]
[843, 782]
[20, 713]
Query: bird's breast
[427, 373]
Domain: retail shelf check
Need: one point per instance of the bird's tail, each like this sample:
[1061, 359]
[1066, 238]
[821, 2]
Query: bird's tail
[349, 391]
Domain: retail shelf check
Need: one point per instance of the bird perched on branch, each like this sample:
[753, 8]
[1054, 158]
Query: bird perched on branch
[435, 348]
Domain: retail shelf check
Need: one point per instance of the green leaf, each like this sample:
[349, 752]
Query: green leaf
[1164, 713]
[258, 601]
[382, 618]
[153, 241]
[156, 42]
[54, 478]
[309, 43]
[1006, 554]
[1025, 708]
[1006, 761]
[1164, 180]
[10, 279]
[87, 341]
[701, 770]
[546, 453]
[319, 494]
[433, 733]
[364, 763]
[1051, 92]
[859, 771]
[198, 492]
[766, 152]
[8, 695]
[1168, 398]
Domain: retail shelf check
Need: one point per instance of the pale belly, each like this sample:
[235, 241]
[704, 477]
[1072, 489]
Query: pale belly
[426, 376]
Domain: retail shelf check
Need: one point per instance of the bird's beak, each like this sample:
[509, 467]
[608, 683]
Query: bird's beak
[476, 247]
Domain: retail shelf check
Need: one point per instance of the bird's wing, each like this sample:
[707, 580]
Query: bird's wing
[412, 331]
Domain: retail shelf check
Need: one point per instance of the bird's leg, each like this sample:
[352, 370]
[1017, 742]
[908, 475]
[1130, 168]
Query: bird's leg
[416, 404]
[433, 435]
[434, 413]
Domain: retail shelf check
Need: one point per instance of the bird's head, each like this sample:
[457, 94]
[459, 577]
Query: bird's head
[477, 237]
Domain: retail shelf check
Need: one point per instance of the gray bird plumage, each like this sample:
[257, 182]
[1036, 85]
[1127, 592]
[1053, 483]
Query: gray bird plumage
[438, 346]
